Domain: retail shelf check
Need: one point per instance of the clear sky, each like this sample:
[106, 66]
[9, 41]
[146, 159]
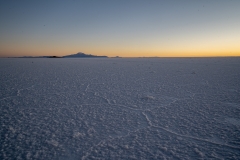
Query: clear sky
[128, 28]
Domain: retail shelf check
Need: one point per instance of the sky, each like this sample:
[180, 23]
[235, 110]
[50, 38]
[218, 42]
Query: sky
[126, 28]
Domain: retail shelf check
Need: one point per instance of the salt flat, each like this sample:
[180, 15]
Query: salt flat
[120, 108]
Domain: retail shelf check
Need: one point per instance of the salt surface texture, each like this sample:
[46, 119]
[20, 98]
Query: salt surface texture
[186, 108]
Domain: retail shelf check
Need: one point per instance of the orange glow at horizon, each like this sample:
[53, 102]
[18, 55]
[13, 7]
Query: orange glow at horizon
[121, 52]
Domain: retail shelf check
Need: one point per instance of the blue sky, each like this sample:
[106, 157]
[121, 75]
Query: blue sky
[128, 28]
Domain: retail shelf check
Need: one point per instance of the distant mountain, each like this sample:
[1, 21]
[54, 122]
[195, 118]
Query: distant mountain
[83, 55]
[77, 55]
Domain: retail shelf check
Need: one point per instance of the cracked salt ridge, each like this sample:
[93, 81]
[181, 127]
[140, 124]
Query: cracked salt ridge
[185, 136]
[114, 97]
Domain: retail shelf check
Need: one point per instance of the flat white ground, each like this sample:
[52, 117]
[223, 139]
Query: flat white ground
[153, 108]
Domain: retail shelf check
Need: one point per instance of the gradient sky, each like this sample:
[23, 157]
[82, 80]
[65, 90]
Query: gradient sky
[128, 28]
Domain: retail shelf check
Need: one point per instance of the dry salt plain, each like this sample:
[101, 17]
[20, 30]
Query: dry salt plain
[145, 108]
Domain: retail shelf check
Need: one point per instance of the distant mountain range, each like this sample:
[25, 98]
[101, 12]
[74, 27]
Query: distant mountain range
[77, 55]
[83, 55]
